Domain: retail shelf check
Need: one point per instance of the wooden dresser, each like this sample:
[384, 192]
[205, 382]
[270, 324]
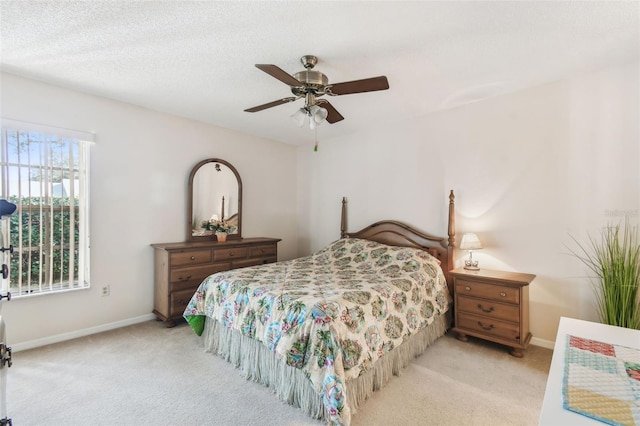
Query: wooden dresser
[493, 305]
[181, 267]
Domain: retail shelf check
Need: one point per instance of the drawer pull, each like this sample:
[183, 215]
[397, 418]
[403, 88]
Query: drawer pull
[485, 310]
[193, 258]
[490, 327]
[232, 254]
[467, 288]
[262, 250]
[187, 278]
[503, 294]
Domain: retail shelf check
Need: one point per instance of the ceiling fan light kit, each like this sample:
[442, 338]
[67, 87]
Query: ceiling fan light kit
[315, 114]
[311, 85]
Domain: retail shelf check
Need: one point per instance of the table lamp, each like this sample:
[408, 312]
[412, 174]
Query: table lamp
[470, 242]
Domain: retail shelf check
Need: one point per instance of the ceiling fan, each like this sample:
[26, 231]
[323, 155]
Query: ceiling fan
[311, 85]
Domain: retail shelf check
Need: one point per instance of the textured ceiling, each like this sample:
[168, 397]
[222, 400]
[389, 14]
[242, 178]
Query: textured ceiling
[196, 58]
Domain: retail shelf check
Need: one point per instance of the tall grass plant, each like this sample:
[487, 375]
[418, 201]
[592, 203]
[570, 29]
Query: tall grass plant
[615, 261]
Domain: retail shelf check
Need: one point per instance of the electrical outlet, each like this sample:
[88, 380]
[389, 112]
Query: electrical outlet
[106, 290]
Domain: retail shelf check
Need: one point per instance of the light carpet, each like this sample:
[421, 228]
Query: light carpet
[147, 374]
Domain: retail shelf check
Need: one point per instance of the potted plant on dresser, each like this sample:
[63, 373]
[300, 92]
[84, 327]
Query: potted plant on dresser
[220, 228]
[614, 259]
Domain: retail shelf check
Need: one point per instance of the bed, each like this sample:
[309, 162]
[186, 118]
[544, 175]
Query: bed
[326, 330]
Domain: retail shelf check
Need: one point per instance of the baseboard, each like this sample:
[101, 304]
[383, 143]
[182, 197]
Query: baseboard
[118, 324]
[31, 344]
[542, 343]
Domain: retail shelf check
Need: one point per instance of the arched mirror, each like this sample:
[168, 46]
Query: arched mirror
[215, 192]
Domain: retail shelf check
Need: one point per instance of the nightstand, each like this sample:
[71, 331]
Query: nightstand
[493, 305]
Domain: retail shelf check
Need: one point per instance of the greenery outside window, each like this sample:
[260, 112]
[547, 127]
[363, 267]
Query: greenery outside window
[45, 173]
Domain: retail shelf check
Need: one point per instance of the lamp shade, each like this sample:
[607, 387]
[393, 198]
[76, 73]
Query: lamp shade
[470, 242]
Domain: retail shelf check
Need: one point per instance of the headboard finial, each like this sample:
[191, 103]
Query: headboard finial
[343, 219]
[452, 220]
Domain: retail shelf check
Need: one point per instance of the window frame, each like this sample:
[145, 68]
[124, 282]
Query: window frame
[77, 247]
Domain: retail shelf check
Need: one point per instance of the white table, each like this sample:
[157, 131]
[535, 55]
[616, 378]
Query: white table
[552, 411]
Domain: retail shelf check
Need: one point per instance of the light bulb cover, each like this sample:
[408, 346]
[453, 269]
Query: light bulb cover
[318, 114]
[299, 116]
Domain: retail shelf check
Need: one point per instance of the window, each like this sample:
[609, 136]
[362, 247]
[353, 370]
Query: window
[44, 172]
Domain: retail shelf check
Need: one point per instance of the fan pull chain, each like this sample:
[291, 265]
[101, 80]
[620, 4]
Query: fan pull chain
[315, 148]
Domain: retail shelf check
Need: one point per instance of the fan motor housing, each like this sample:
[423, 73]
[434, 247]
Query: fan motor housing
[313, 80]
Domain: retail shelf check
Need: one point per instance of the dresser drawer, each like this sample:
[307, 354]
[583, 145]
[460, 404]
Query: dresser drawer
[252, 262]
[489, 308]
[262, 251]
[230, 253]
[488, 326]
[179, 301]
[488, 291]
[191, 257]
[197, 273]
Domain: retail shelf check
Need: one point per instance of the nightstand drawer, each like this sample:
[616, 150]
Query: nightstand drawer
[192, 257]
[488, 291]
[489, 326]
[489, 309]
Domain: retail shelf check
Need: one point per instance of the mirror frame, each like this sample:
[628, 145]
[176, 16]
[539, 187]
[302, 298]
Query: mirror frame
[190, 237]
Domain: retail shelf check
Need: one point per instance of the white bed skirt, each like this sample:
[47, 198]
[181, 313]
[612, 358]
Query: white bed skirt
[292, 386]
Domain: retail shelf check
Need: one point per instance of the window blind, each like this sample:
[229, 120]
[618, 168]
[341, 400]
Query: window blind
[45, 173]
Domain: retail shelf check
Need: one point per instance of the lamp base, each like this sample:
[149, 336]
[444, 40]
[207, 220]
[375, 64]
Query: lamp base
[471, 265]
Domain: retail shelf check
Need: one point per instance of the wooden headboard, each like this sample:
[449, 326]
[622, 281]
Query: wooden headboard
[395, 233]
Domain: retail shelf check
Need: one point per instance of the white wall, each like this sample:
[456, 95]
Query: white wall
[529, 170]
[140, 166]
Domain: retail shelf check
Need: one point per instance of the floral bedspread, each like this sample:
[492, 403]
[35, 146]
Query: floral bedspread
[331, 314]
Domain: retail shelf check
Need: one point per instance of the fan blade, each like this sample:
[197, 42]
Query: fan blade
[333, 116]
[280, 74]
[359, 86]
[271, 104]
